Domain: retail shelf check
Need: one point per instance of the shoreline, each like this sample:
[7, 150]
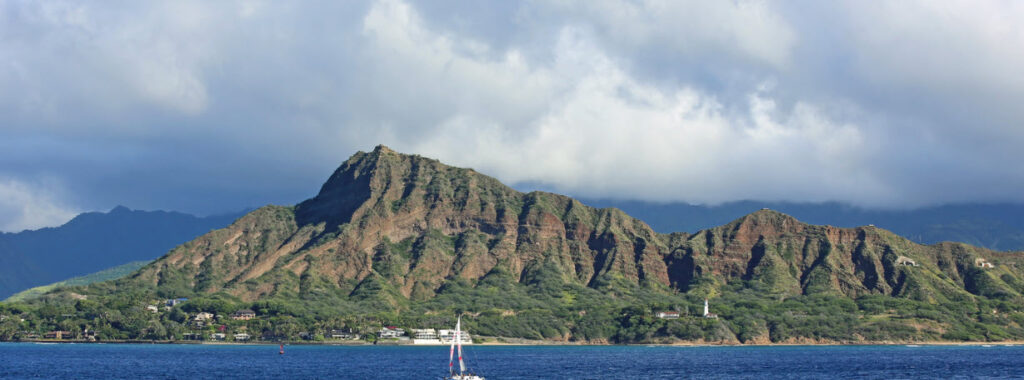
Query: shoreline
[533, 343]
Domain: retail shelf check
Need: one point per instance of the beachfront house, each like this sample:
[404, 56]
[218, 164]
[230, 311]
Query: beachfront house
[241, 337]
[218, 336]
[447, 336]
[423, 333]
[424, 336]
[342, 334]
[58, 334]
[387, 332]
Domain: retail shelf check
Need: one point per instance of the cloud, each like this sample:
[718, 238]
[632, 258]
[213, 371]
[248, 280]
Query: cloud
[687, 30]
[31, 206]
[609, 135]
[215, 106]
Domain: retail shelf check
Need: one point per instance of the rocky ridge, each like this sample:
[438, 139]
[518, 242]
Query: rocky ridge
[404, 225]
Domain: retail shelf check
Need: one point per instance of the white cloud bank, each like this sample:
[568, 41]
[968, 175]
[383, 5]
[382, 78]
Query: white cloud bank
[209, 106]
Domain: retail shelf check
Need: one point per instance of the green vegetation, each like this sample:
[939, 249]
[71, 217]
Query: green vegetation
[542, 307]
[103, 275]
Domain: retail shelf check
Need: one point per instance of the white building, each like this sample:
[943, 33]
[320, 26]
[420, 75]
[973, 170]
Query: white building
[667, 314]
[217, 336]
[241, 337]
[152, 308]
[424, 336]
[342, 334]
[707, 314]
[390, 332]
[204, 316]
[447, 336]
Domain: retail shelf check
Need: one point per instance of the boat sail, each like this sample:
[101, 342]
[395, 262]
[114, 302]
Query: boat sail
[457, 345]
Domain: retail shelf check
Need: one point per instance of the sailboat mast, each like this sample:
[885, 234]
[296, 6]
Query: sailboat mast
[458, 340]
[451, 357]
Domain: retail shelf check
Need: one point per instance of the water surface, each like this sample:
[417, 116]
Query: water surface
[140, 361]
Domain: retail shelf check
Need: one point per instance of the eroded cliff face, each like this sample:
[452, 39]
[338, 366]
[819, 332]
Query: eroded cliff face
[407, 224]
[412, 223]
[778, 254]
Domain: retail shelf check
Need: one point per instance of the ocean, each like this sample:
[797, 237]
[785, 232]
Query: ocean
[163, 361]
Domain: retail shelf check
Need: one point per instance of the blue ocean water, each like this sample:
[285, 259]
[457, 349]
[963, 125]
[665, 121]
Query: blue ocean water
[140, 361]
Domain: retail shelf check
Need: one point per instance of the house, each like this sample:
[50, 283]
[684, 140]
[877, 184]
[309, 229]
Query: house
[218, 336]
[424, 336]
[342, 334]
[447, 336]
[243, 315]
[152, 308]
[172, 302]
[983, 264]
[390, 332]
[241, 337]
[192, 336]
[667, 314]
[424, 333]
[204, 316]
[57, 334]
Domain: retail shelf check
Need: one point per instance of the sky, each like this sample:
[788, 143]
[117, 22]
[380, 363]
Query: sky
[215, 106]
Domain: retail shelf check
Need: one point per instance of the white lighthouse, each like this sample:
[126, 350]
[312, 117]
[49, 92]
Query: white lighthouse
[707, 313]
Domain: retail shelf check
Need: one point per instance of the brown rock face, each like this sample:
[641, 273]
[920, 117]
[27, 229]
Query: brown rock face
[412, 223]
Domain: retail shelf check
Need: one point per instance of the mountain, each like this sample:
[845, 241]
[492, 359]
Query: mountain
[410, 223]
[994, 226]
[404, 239]
[95, 241]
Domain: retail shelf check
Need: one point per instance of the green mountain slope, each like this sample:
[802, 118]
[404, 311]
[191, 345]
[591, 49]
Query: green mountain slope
[103, 275]
[406, 240]
[95, 241]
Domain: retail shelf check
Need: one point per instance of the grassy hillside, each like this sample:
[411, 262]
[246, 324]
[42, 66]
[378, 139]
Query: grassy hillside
[95, 241]
[103, 275]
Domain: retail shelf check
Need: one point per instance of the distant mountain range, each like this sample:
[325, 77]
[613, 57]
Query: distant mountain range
[404, 239]
[994, 226]
[95, 241]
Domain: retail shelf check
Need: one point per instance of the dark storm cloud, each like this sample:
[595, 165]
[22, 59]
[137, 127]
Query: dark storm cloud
[216, 106]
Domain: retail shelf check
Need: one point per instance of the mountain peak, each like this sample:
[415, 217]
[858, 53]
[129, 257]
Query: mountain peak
[769, 214]
[119, 209]
[380, 181]
[764, 222]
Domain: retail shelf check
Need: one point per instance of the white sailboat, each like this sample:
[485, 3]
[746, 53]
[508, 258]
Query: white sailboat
[457, 344]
